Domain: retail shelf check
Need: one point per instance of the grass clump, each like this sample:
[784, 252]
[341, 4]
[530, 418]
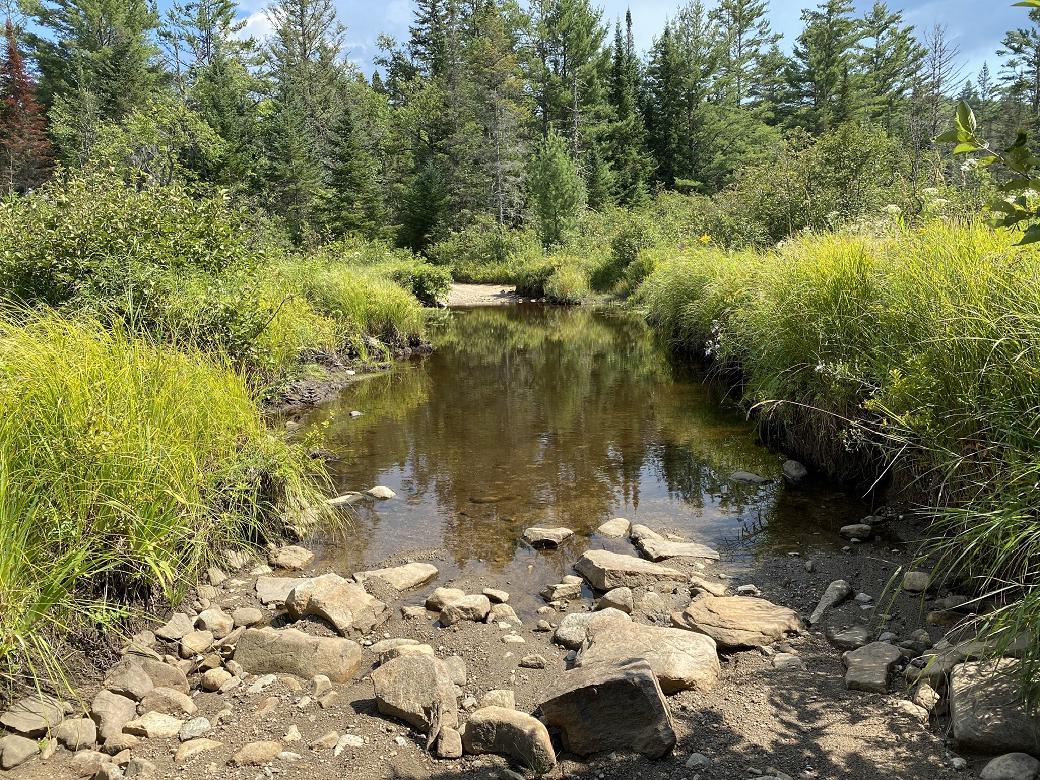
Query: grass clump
[915, 354]
[124, 464]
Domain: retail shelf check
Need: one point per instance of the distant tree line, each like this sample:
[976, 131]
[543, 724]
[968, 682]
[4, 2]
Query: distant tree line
[488, 108]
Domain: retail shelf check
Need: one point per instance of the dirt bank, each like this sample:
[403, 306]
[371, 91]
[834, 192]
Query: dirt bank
[481, 295]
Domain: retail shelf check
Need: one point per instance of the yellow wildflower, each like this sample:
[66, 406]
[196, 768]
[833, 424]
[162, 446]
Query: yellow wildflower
[704, 239]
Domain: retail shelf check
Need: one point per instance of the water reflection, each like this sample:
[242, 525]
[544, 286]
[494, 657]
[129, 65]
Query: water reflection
[529, 415]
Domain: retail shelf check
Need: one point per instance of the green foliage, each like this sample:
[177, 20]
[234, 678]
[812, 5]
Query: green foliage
[194, 270]
[568, 283]
[557, 191]
[124, 466]
[909, 353]
[485, 251]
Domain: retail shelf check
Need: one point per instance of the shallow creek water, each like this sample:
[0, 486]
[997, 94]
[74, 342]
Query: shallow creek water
[526, 415]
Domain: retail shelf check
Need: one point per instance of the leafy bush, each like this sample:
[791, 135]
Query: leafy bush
[123, 463]
[485, 251]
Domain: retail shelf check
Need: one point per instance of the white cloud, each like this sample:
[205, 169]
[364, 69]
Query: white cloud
[258, 25]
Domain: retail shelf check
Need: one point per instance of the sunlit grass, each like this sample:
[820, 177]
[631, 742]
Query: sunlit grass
[124, 466]
[915, 352]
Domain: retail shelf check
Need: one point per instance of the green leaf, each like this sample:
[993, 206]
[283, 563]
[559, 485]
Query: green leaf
[966, 117]
[950, 136]
[1031, 236]
[966, 146]
[1026, 4]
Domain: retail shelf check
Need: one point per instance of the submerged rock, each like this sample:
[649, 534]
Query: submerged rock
[658, 548]
[538, 536]
[510, 733]
[606, 570]
[736, 622]
[604, 707]
[381, 492]
[749, 478]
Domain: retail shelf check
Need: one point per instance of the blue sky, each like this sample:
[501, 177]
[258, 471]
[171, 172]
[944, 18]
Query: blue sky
[973, 26]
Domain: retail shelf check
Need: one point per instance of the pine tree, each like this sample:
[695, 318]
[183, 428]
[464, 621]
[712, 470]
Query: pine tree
[748, 36]
[664, 107]
[557, 192]
[823, 82]
[355, 202]
[1020, 69]
[626, 135]
[890, 58]
[100, 47]
[25, 150]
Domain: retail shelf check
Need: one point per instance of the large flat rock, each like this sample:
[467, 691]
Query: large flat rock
[987, 711]
[33, 716]
[603, 707]
[658, 548]
[736, 622]
[868, 668]
[606, 570]
[344, 604]
[682, 660]
[288, 651]
[402, 578]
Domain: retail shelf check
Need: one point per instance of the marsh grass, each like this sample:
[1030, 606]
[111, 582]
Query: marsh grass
[913, 353]
[125, 465]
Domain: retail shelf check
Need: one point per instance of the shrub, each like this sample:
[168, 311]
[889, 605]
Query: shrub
[124, 465]
[485, 251]
[567, 284]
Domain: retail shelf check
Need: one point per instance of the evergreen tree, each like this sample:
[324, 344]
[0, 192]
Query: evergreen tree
[626, 136]
[25, 150]
[557, 192]
[355, 201]
[1020, 69]
[748, 37]
[823, 82]
[98, 63]
[890, 58]
[663, 107]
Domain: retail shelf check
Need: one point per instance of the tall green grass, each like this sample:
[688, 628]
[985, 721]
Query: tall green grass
[914, 353]
[124, 465]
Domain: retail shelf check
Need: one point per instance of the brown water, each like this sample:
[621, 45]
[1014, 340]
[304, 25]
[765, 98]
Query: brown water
[527, 415]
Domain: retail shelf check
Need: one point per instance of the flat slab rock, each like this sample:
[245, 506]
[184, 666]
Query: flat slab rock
[682, 660]
[738, 621]
[658, 548]
[600, 708]
[33, 716]
[615, 528]
[606, 570]
[868, 668]
[537, 536]
[288, 651]
[987, 712]
[273, 591]
[402, 578]
[344, 604]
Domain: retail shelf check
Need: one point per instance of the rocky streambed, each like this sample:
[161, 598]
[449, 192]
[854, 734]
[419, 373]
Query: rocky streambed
[657, 657]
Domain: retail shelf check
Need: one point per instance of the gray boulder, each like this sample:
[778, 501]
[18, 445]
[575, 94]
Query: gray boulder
[288, 651]
[606, 570]
[344, 604]
[987, 711]
[1012, 766]
[510, 733]
[604, 707]
[417, 689]
[868, 668]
